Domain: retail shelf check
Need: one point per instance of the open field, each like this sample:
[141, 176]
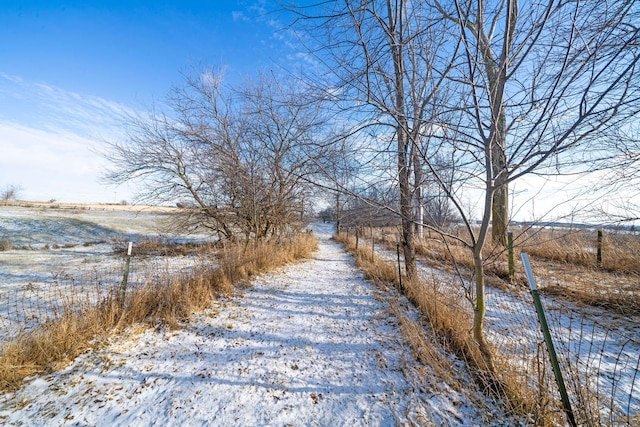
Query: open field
[56, 255]
[49, 255]
[310, 344]
[565, 262]
[72, 206]
[48, 323]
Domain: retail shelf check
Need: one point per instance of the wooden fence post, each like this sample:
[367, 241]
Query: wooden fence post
[398, 252]
[599, 254]
[125, 279]
[512, 261]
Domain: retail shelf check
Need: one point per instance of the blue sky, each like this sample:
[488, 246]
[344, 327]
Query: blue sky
[68, 68]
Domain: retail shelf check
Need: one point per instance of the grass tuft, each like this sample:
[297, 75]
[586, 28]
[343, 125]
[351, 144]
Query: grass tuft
[565, 262]
[5, 245]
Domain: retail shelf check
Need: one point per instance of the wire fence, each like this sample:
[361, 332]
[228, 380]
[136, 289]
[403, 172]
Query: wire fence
[25, 306]
[599, 359]
[598, 348]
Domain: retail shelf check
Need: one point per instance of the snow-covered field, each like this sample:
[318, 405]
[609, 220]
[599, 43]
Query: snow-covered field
[62, 254]
[311, 344]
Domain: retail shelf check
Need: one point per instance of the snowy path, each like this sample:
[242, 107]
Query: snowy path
[312, 344]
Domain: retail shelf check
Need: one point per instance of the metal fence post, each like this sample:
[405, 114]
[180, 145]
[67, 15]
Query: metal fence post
[373, 243]
[398, 252]
[566, 404]
[512, 261]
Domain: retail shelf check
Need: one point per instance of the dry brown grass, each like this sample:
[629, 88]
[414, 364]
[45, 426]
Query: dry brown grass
[450, 318]
[444, 311]
[164, 247]
[565, 267]
[30, 204]
[620, 251]
[379, 272]
[169, 302]
[424, 350]
[620, 300]
[50, 346]
[564, 264]
[374, 268]
[450, 254]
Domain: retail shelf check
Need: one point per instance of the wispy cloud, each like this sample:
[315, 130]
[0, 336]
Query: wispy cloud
[47, 164]
[45, 106]
[239, 15]
[50, 138]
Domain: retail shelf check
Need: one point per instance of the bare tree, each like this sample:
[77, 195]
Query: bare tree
[535, 90]
[500, 91]
[439, 213]
[542, 80]
[337, 170]
[11, 192]
[622, 176]
[382, 66]
[235, 158]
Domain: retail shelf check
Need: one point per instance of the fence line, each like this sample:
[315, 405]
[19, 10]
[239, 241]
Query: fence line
[25, 306]
[598, 350]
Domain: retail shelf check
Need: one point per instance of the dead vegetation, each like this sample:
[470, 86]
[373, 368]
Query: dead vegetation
[620, 251]
[566, 266]
[167, 247]
[450, 319]
[564, 261]
[169, 302]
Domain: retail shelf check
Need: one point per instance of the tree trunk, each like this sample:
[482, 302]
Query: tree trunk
[406, 211]
[418, 214]
[500, 215]
[500, 203]
[402, 133]
[496, 69]
[479, 310]
[338, 213]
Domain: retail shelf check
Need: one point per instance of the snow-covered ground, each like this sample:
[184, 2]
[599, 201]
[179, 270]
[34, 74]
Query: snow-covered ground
[63, 255]
[311, 344]
[599, 349]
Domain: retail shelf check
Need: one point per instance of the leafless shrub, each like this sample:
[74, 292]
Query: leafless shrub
[10, 192]
[167, 247]
[5, 245]
[236, 159]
